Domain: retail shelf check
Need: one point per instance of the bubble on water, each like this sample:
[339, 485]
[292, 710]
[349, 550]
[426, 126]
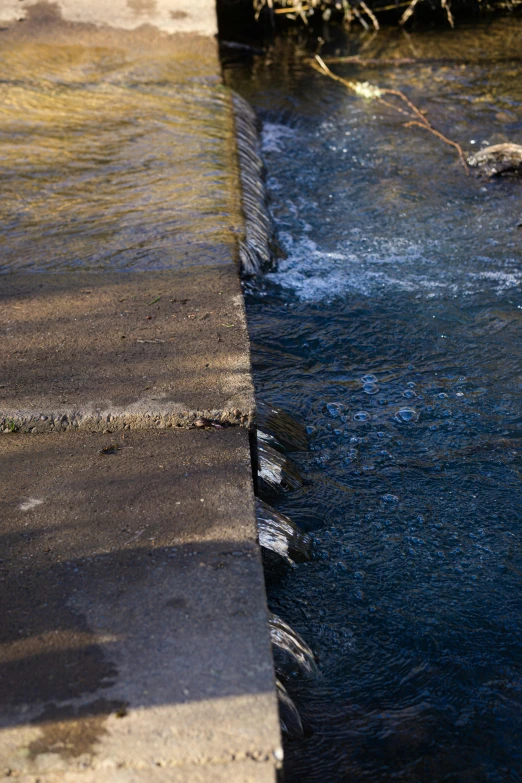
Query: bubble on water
[362, 416]
[409, 394]
[390, 498]
[369, 378]
[370, 388]
[442, 396]
[310, 430]
[338, 432]
[411, 385]
[383, 402]
[406, 415]
[333, 409]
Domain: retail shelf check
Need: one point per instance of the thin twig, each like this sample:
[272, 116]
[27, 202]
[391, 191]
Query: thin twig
[412, 106]
[446, 5]
[363, 21]
[292, 9]
[348, 14]
[370, 13]
[395, 107]
[364, 61]
[354, 86]
[408, 12]
[443, 138]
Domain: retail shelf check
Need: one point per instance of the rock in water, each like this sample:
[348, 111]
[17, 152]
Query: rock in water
[498, 159]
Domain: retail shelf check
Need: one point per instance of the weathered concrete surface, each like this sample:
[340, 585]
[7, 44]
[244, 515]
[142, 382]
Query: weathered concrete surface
[237, 772]
[134, 644]
[118, 149]
[101, 351]
[181, 16]
[133, 637]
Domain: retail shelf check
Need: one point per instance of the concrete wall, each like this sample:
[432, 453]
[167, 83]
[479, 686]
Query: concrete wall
[169, 16]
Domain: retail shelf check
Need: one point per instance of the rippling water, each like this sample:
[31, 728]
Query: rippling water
[113, 157]
[392, 329]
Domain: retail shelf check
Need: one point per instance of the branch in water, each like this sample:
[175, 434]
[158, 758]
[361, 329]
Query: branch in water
[373, 92]
[443, 138]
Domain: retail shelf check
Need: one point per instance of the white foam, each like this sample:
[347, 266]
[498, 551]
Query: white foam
[383, 265]
[273, 136]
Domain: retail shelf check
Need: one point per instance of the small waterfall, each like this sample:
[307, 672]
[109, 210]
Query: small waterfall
[255, 249]
[291, 723]
[276, 472]
[292, 655]
[279, 429]
[280, 537]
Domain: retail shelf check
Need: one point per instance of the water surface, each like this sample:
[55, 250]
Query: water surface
[116, 153]
[392, 329]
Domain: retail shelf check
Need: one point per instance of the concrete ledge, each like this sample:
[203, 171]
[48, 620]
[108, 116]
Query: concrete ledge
[134, 637]
[134, 643]
[122, 351]
[238, 772]
[183, 16]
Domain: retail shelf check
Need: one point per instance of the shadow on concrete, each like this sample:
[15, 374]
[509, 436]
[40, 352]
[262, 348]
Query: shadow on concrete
[55, 653]
[131, 580]
[129, 345]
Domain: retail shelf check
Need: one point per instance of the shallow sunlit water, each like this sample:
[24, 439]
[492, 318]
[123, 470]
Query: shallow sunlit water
[392, 329]
[114, 158]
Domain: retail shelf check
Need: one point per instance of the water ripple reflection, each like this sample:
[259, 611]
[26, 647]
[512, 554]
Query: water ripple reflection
[392, 331]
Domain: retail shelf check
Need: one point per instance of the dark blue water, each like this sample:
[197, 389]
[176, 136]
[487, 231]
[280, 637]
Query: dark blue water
[393, 330]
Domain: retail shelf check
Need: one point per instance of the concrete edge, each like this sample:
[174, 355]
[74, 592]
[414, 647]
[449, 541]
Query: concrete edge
[113, 420]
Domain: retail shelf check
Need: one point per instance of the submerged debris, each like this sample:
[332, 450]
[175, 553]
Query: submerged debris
[498, 159]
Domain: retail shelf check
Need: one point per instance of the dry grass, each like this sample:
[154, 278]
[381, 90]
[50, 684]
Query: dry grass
[367, 13]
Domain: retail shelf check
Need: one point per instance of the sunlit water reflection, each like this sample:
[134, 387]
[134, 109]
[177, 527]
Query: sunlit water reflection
[113, 157]
[392, 329]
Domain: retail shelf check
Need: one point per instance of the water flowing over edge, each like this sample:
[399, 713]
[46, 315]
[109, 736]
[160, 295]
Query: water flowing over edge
[255, 251]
